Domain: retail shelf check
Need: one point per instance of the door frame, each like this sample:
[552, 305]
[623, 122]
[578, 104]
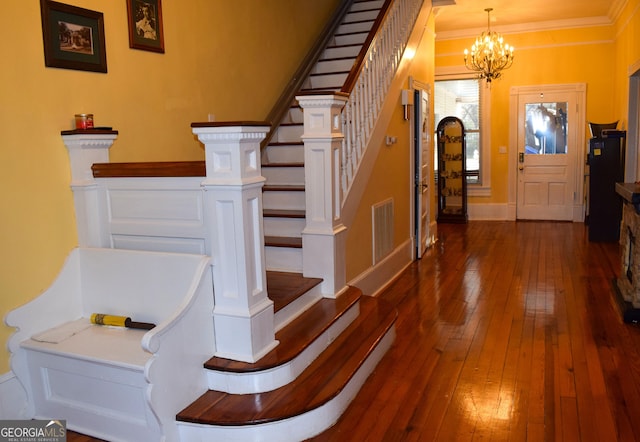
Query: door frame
[417, 88]
[632, 164]
[580, 90]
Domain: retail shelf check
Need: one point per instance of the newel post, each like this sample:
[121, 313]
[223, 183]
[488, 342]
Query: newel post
[243, 315]
[323, 238]
[85, 148]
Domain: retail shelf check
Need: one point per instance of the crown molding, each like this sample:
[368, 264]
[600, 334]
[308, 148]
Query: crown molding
[551, 25]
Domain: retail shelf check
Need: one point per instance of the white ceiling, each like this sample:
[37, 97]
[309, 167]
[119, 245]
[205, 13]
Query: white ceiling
[468, 17]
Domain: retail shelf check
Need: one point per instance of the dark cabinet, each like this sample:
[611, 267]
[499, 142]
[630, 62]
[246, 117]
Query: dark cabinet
[606, 168]
[452, 183]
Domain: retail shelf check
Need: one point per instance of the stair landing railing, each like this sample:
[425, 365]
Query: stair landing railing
[337, 129]
[368, 83]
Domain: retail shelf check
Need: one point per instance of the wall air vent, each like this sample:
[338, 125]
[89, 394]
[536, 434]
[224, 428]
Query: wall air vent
[382, 226]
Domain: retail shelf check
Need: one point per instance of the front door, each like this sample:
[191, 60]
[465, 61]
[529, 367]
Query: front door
[547, 154]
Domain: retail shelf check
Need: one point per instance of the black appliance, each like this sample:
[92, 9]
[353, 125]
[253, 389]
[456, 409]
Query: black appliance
[606, 168]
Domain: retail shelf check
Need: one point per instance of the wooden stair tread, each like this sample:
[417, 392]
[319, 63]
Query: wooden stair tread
[322, 381]
[343, 46]
[283, 213]
[285, 287]
[286, 143]
[321, 89]
[360, 21]
[336, 59]
[296, 336]
[328, 73]
[283, 187]
[283, 241]
[292, 164]
[351, 33]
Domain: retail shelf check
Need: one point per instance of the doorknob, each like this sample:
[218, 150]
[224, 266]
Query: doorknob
[521, 161]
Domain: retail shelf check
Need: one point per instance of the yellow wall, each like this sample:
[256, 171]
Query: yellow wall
[583, 55]
[228, 58]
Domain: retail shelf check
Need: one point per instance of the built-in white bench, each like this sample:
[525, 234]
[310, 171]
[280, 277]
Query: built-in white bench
[111, 382]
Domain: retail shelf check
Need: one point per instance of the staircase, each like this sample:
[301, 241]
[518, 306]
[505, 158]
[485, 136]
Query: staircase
[327, 347]
[283, 157]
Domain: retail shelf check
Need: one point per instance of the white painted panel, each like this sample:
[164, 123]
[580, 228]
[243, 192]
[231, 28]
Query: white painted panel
[557, 194]
[156, 205]
[159, 244]
[532, 193]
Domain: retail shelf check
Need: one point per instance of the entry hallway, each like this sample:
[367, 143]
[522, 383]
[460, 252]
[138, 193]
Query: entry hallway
[506, 332]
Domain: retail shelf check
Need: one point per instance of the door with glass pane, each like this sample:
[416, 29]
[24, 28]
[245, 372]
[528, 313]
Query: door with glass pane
[546, 156]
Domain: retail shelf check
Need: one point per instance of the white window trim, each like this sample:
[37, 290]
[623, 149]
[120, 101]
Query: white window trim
[461, 73]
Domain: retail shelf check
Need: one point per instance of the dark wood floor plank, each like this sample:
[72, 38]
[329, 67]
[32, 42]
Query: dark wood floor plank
[540, 342]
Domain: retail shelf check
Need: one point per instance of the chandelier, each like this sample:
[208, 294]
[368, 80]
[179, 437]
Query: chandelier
[489, 55]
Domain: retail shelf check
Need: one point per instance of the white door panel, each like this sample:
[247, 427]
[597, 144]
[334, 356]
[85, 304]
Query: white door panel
[546, 156]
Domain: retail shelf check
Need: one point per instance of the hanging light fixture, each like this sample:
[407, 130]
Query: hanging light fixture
[490, 54]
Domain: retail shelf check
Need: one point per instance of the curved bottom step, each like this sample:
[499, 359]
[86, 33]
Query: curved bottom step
[310, 404]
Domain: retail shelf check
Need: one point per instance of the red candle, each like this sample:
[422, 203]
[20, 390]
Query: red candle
[84, 121]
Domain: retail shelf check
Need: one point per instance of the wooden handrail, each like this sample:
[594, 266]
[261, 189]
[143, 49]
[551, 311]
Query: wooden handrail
[350, 82]
[149, 169]
[163, 168]
[283, 103]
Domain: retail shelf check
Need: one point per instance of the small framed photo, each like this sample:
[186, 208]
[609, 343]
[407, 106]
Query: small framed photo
[73, 37]
[145, 25]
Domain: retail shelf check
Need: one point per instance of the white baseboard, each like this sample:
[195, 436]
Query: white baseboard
[488, 212]
[13, 398]
[376, 278]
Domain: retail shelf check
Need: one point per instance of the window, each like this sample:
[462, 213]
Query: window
[462, 99]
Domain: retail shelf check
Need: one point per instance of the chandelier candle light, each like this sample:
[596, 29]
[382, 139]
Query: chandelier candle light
[489, 55]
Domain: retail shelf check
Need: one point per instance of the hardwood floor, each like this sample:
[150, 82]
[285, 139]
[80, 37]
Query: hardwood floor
[506, 331]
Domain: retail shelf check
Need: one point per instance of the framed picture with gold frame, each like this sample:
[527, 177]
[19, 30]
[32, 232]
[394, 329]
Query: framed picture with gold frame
[73, 37]
[145, 25]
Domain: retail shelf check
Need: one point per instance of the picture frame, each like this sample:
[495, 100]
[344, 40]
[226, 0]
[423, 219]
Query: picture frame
[145, 25]
[73, 37]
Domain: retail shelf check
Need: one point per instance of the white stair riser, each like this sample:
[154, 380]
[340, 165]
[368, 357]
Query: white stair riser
[284, 175]
[283, 200]
[285, 154]
[363, 26]
[373, 4]
[350, 39]
[269, 380]
[292, 227]
[296, 115]
[283, 259]
[286, 134]
[328, 81]
[286, 315]
[346, 51]
[299, 427]
[293, 115]
[360, 16]
[342, 65]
